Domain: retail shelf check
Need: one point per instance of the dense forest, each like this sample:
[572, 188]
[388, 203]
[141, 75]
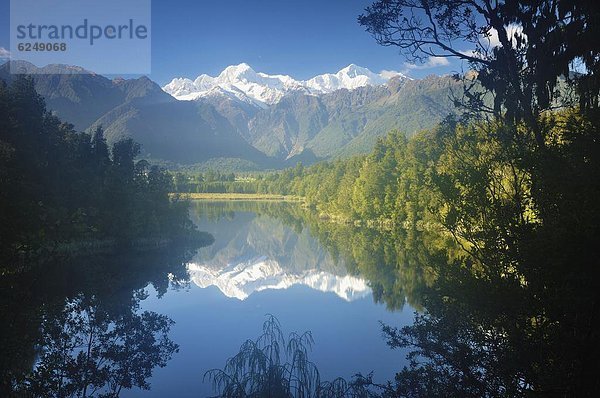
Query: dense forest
[64, 190]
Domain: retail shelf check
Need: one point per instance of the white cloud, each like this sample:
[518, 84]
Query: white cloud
[474, 54]
[388, 74]
[469, 53]
[432, 62]
[4, 53]
[491, 39]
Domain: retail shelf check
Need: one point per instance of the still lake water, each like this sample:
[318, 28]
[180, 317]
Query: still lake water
[256, 266]
[96, 323]
[152, 323]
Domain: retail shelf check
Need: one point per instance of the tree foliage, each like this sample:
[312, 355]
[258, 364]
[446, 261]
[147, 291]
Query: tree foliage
[520, 49]
[58, 186]
[272, 366]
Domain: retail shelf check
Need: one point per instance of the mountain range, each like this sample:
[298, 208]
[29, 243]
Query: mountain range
[243, 117]
[243, 83]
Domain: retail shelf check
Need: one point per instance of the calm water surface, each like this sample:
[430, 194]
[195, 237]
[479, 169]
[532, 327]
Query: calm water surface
[161, 319]
[259, 265]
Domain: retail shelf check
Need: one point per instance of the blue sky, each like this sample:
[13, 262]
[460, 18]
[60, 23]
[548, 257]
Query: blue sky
[298, 38]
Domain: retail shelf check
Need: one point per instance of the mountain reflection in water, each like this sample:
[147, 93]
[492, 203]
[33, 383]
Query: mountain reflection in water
[242, 279]
[255, 250]
[268, 258]
[155, 322]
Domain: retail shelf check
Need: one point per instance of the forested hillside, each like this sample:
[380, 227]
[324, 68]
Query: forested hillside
[64, 190]
[169, 131]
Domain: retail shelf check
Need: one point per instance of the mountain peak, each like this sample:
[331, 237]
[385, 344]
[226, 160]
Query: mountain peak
[235, 72]
[355, 70]
[261, 89]
[242, 66]
[24, 67]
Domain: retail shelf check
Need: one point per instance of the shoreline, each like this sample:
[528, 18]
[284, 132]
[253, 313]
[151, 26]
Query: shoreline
[238, 197]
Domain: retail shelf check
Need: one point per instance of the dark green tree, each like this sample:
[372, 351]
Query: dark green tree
[272, 366]
[520, 49]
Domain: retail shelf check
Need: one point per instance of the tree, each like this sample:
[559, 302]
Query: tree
[59, 186]
[520, 49]
[259, 370]
[100, 149]
[181, 183]
[124, 153]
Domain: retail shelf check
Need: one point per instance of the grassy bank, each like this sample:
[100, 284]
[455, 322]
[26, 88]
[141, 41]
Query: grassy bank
[239, 196]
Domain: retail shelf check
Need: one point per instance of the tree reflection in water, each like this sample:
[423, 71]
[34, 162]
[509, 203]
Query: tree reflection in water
[480, 330]
[74, 328]
[87, 351]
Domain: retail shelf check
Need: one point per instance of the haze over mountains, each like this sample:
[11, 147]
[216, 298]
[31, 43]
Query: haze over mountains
[247, 118]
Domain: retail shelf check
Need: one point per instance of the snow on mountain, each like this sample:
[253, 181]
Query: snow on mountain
[243, 83]
[180, 87]
[242, 279]
[351, 77]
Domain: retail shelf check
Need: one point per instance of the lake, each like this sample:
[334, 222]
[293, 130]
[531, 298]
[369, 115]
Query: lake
[267, 258]
[259, 265]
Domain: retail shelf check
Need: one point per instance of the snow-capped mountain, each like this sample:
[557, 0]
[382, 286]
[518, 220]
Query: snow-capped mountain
[350, 78]
[243, 83]
[242, 279]
[245, 120]
[237, 81]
